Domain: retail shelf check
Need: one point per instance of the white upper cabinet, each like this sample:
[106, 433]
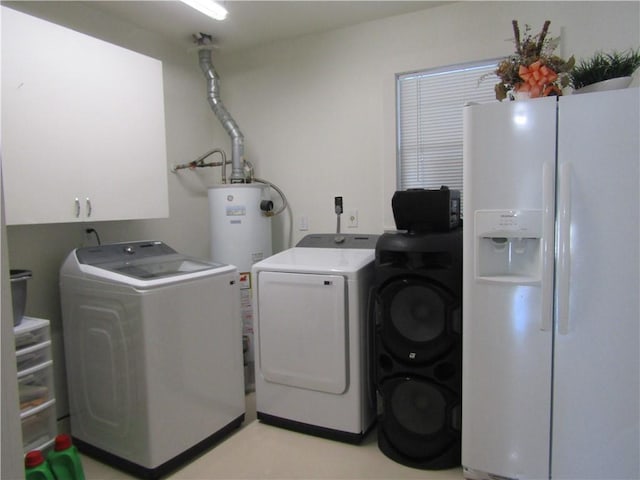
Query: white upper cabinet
[83, 127]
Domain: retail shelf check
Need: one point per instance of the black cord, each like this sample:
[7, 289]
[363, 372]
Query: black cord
[93, 230]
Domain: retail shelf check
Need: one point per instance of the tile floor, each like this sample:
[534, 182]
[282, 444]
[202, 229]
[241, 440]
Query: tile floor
[259, 451]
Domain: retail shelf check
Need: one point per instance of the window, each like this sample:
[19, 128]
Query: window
[429, 117]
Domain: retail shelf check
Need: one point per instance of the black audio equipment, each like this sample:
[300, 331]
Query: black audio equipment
[418, 210]
[417, 352]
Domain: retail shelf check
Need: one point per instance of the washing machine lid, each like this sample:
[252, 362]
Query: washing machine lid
[318, 260]
[146, 263]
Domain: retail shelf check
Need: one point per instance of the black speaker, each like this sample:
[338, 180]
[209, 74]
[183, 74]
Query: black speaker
[417, 317]
[419, 211]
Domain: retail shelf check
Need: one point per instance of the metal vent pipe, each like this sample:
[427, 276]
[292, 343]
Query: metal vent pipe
[229, 124]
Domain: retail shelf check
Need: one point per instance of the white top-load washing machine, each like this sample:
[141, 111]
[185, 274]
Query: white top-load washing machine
[312, 369]
[153, 346]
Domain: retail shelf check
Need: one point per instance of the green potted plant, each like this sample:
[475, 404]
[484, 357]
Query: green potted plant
[605, 71]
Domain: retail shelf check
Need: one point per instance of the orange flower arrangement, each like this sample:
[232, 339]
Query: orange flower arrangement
[533, 68]
[537, 80]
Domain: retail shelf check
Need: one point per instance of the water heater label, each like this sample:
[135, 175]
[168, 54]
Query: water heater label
[245, 280]
[236, 211]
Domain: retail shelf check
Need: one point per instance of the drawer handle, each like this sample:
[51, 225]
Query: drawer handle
[35, 368]
[77, 202]
[38, 409]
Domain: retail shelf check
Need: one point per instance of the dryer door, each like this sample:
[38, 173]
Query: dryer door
[302, 330]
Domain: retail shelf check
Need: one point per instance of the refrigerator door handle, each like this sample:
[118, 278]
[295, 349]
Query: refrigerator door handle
[548, 214]
[564, 246]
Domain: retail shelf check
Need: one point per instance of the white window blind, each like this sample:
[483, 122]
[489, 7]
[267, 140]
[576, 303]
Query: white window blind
[429, 116]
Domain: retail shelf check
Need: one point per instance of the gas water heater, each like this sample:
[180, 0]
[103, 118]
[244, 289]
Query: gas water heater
[241, 236]
[240, 227]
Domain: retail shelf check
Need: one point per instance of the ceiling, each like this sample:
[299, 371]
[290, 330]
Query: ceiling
[253, 23]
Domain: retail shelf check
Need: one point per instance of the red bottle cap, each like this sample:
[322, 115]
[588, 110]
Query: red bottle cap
[33, 459]
[63, 441]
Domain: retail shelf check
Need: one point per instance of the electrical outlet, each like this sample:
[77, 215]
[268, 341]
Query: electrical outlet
[303, 223]
[352, 218]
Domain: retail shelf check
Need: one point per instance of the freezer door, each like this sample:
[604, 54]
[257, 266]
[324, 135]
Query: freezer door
[509, 164]
[596, 374]
[302, 330]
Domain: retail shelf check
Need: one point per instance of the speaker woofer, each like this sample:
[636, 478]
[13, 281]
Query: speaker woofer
[416, 320]
[418, 407]
[419, 425]
[418, 313]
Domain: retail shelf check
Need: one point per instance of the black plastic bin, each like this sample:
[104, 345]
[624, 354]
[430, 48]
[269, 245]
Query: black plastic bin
[19, 293]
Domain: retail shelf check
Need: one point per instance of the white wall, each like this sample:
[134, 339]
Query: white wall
[318, 115]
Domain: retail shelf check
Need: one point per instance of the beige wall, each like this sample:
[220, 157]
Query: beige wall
[319, 113]
[318, 116]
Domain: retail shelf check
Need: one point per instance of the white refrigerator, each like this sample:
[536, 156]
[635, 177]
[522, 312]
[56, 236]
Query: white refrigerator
[551, 377]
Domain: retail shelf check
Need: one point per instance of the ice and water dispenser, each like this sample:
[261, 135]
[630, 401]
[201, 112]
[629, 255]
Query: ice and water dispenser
[508, 246]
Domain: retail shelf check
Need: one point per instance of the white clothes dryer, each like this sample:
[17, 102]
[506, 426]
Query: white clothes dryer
[312, 356]
[153, 347]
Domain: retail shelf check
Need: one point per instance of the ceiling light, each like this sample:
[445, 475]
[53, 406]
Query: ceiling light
[208, 7]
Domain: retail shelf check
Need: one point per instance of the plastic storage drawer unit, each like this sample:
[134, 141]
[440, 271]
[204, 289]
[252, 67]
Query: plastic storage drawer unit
[35, 383]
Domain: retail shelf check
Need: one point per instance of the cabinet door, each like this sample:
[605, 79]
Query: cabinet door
[37, 130]
[81, 119]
